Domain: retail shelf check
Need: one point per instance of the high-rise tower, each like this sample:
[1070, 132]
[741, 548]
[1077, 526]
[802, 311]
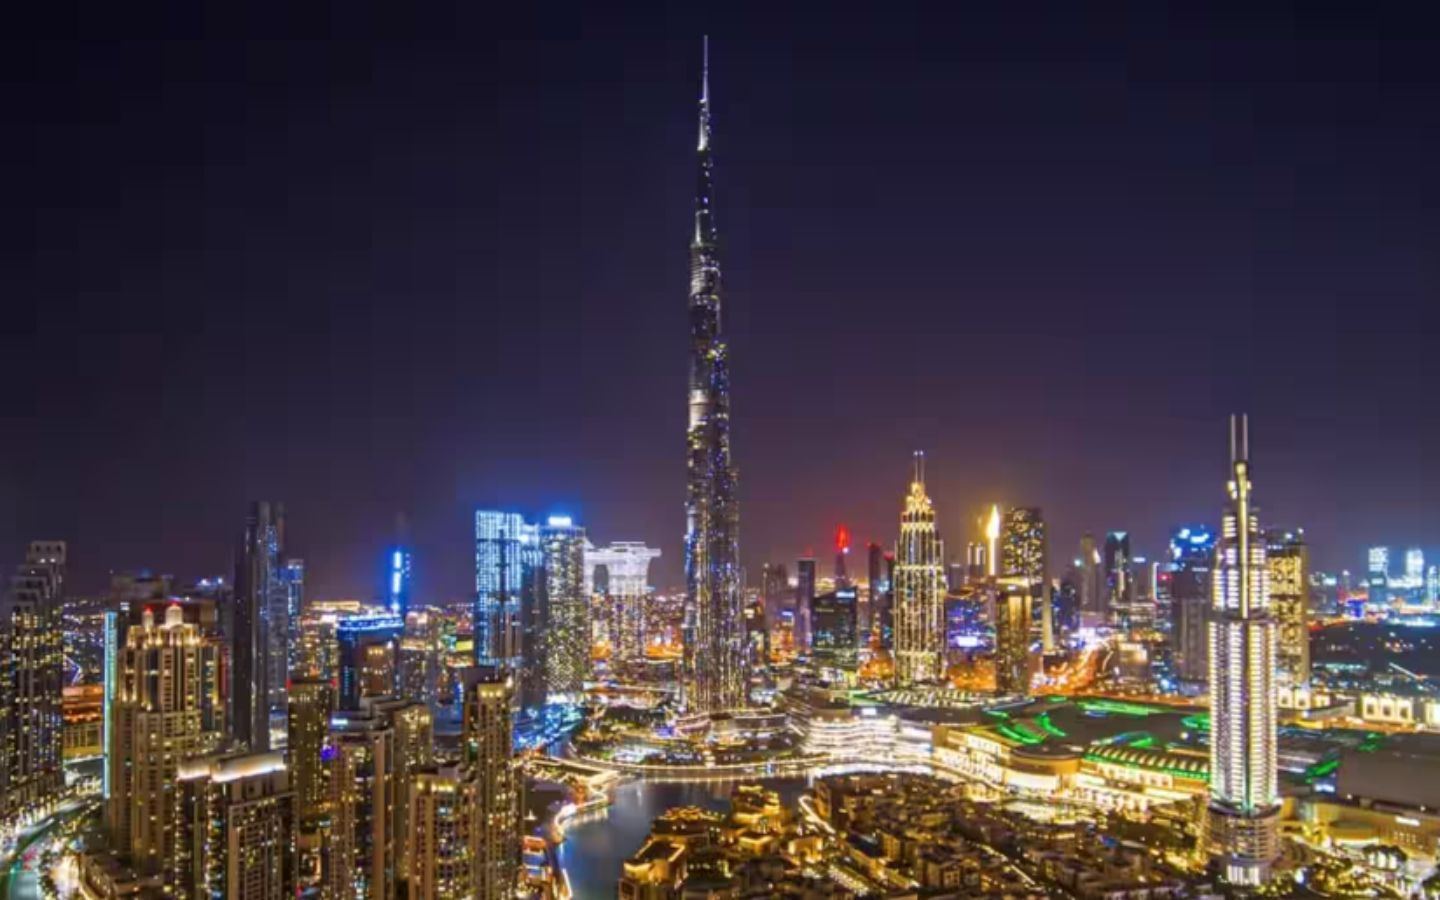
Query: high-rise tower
[566, 629]
[1288, 560]
[919, 588]
[32, 680]
[262, 630]
[714, 636]
[1244, 802]
[1024, 553]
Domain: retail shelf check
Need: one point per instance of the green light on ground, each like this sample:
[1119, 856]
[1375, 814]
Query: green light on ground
[1118, 707]
[1027, 738]
[1043, 720]
[1197, 721]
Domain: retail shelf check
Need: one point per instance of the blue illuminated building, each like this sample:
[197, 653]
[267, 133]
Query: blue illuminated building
[397, 581]
[507, 562]
[353, 636]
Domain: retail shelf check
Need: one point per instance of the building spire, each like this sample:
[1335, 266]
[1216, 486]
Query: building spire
[1239, 438]
[703, 145]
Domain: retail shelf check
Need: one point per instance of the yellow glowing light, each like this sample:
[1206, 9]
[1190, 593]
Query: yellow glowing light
[992, 534]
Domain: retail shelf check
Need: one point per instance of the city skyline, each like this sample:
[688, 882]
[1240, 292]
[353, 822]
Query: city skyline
[346, 445]
[1029, 268]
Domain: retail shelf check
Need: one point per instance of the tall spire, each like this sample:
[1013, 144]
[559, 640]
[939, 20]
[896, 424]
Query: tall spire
[705, 69]
[704, 142]
[715, 673]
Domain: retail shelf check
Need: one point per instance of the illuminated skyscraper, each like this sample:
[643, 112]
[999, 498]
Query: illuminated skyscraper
[1192, 551]
[775, 593]
[715, 677]
[878, 575]
[160, 701]
[295, 608]
[627, 566]
[311, 704]
[833, 618]
[444, 812]
[1288, 560]
[1118, 579]
[33, 680]
[422, 657]
[507, 560]
[487, 744]
[398, 579]
[566, 629]
[367, 650]
[261, 638]
[804, 602]
[1024, 553]
[236, 822]
[919, 588]
[414, 749]
[1014, 599]
[1378, 574]
[1244, 801]
[842, 554]
[361, 845]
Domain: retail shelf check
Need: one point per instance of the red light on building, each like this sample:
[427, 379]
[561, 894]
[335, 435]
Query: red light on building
[842, 539]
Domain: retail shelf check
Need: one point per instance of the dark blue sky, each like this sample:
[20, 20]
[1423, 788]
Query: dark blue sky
[421, 258]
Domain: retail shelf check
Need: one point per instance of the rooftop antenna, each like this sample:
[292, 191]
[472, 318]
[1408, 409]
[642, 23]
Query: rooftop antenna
[1239, 437]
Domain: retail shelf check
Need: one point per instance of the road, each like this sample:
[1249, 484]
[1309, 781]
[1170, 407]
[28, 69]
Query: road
[16, 881]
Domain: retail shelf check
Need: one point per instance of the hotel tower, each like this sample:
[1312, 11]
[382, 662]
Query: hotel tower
[1244, 802]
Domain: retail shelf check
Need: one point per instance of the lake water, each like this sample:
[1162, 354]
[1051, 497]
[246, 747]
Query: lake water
[593, 850]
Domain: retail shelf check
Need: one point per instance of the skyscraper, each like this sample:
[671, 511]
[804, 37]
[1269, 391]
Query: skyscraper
[295, 608]
[1087, 570]
[414, 749]
[160, 700]
[919, 588]
[842, 554]
[236, 824]
[878, 585]
[311, 703]
[1013, 615]
[261, 637]
[804, 602]
[775, 593]
[1192, 551]
[397, 581]
[567, 608]
[1288, 560]
[1118, 579]
[507, 559]
[715, 641]
[361, 853]
[1244, 802]
[488, 751]
[835, 636]
[367, 650]
[1024, 553]
[627, 564]
[33, 680]
[1378, 575]
[444, 812]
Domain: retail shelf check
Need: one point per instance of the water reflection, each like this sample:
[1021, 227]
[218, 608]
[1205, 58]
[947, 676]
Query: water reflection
[596, 845]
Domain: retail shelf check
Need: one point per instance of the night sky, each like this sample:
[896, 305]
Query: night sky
[421, 260]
